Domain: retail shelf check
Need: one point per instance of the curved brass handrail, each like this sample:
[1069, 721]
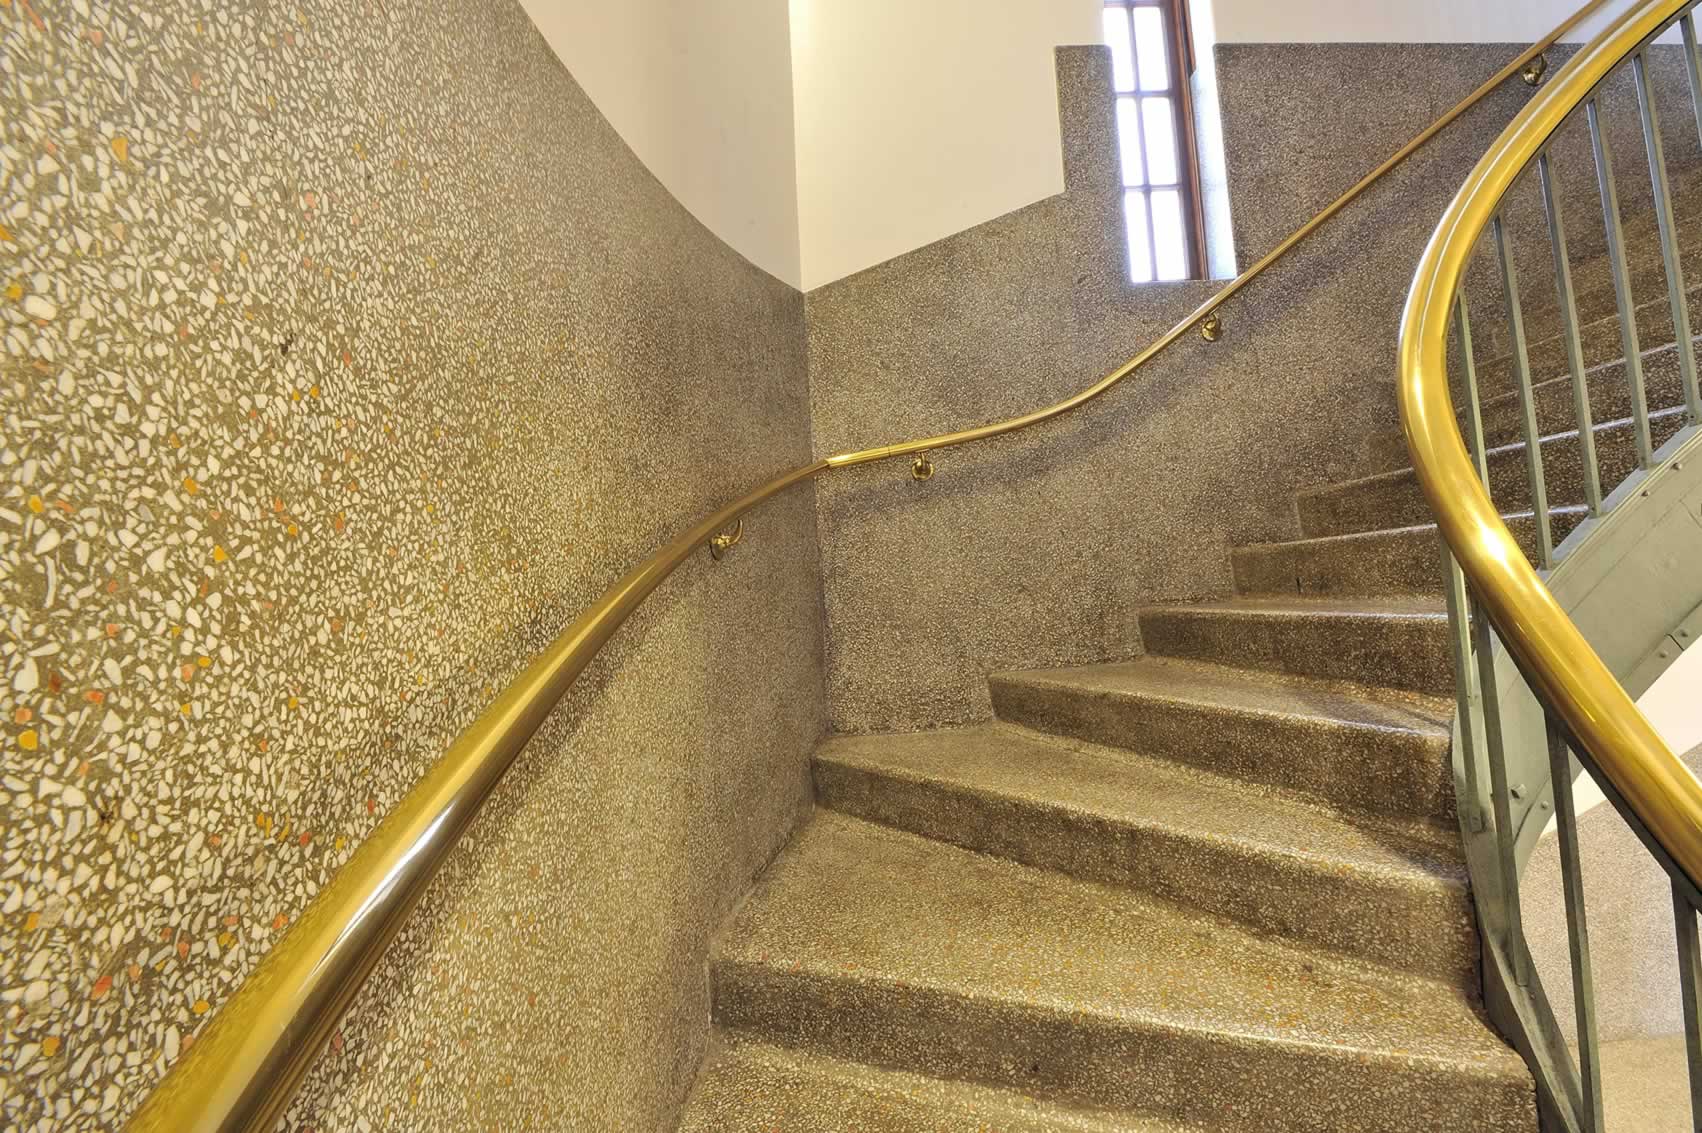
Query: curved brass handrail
[1553, 655]
[244, 1068]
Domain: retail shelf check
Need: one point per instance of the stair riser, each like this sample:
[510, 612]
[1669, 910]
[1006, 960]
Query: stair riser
[1237, 1084]
[1394, 652]
[1404, 562]
[1610, 398]
[1398, 501]
[1377, 770]
[1426, 929]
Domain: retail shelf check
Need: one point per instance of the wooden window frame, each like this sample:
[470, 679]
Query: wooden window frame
[1179, 62]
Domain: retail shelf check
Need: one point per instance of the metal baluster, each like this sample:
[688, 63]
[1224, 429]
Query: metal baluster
[1669, 236]
[1577, 931]
[1466, 696]
[1474, 406]
[1623, 298]
[1500, 798]
[1527, 401]
[1689, 978]
[1574, 344]
[1687, 25]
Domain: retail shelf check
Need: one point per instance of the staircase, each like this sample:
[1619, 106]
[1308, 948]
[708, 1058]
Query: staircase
[1217, 888]
[1219, 885]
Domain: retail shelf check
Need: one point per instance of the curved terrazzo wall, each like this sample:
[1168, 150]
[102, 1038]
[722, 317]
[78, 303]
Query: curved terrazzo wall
[347, 354]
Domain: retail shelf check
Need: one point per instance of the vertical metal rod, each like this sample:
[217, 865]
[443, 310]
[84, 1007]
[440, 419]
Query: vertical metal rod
[1466, 696]
[1574, 343]
[1527, 400]
[1687, 25]
[1669, 236]
[1500, 798]
[1689, 979]
[1577, 930]
[1474, 402]
[1623, 299]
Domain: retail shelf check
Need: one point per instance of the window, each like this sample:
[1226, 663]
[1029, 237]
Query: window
[1155, 137]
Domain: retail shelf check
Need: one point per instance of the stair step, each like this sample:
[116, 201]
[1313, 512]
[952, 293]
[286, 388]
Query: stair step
[1377, 751]
[748, 1086]
[1598, 324]
[1604, 372]
[872, 945]
[1406, 560]
[1396, 642]
[1592, 278]
[1275, 862]
[1394, 499]
[1610, 396]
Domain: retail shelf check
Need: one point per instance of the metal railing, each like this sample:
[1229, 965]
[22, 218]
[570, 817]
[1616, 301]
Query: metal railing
[246, 1065]
[1552, 703]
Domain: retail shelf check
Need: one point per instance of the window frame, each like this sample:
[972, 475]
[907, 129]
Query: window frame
[1180, 64]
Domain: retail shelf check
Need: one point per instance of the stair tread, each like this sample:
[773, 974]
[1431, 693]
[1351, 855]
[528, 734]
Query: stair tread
[1252, 690]
[1312, 606]
[760, 1087]
[1129, 789]
[852, 904]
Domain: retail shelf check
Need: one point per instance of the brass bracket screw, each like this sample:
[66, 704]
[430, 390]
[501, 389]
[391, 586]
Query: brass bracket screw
[1211, 328]
[1535, 70]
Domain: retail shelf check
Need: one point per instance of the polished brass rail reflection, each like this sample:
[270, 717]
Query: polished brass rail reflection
[1554, 656]
[243, 1069]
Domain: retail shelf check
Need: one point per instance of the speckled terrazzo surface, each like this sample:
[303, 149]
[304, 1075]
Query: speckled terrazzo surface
[347, 354]
[1273, 860]
[1646, 1086]
[913, 953]
[1221, 885]
[755, 1087]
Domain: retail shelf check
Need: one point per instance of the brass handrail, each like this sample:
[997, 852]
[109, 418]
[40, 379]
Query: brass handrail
[244, 1068]
[1553, 655]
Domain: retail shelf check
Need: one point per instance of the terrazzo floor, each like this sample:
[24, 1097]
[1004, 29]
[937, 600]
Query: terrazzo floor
[1645, 1088]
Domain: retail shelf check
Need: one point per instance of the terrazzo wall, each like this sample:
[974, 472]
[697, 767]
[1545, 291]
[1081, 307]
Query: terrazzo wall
[347, 354]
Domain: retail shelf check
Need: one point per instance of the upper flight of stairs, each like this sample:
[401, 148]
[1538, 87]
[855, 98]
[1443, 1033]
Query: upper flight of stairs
[1217, 889]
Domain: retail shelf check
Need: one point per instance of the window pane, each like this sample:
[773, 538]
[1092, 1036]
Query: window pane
[1140, 250]
[1150, 49]
[1129, 141]
[1167, 234]
[1160, 124]
[1122, 57]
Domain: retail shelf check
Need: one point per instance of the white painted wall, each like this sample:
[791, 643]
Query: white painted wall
[1387, 21]
[1673, 705]
[917, 119]
[702, 92]
[822, 137]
